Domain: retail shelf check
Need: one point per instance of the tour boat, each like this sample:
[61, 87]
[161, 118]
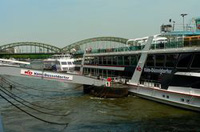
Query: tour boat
[163, 67]
[60, 63]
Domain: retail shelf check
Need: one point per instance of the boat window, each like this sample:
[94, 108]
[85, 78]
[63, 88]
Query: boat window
[104, 60]
[57, 63]
[134, 60]
[120, 60]
[185, 81]
[96, 60]
[126, 60]
[171, 60]
[100, 72]
[115, 60]
[109, 60]
[92, 71]
[104, 73]
[85, 71]
[91, 60]
[69, 63]
[196, 63]
[63, 63]
[184, 60]
[160, 59]
[100, 60]
[150, 60]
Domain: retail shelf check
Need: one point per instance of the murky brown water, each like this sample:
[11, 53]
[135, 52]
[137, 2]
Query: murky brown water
[90, 114]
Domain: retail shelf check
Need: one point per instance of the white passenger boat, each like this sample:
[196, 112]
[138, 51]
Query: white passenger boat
[163, 68]
[60, 63]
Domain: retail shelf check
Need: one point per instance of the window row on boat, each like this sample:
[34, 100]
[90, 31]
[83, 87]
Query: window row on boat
[183, 60]
[107, 73]
[66, 63]
[112, 60]
[180, 61]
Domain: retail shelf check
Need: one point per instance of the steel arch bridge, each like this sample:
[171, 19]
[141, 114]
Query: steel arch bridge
[110, 42]
[28, 47]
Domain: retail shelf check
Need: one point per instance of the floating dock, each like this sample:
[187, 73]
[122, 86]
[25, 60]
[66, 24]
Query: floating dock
[96, 87]
[114, 91]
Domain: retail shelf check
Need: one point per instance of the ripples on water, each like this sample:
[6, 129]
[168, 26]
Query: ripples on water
[92, 114]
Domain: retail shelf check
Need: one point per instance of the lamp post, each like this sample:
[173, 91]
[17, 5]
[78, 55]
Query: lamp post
[173, 25]
[183, 15]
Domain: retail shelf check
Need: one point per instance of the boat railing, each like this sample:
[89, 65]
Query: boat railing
[177, 44]
[186, 42]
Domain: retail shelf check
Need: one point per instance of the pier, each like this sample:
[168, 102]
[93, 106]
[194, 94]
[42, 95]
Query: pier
[95, 86]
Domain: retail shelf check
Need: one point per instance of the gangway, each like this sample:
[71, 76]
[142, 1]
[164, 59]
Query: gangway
[50, 75]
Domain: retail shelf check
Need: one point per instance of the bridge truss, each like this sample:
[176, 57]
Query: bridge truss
[96, 43]
[28, 47]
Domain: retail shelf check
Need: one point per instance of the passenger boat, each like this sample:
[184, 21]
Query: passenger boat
[13, 63]
[163, 67]
[60, 63]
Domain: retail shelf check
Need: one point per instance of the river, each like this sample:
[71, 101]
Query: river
[85, 113]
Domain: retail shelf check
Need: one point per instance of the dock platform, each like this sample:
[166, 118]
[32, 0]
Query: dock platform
[94, 86]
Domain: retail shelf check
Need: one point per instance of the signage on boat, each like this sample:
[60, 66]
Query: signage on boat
[138, 68]
[44, 74]
[154, 70]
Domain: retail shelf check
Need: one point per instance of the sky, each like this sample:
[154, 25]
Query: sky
[63, 22]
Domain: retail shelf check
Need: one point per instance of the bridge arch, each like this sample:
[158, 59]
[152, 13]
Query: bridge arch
[30, 47]
[93, 41]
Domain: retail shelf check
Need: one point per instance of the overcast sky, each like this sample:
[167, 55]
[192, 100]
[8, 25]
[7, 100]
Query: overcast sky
[62, 22]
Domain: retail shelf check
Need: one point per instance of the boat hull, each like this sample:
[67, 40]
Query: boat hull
[181, 100]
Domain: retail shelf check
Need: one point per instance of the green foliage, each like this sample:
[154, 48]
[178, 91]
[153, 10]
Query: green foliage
[26, 56]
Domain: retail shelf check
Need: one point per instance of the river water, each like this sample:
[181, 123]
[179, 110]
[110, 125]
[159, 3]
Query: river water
[86, 113]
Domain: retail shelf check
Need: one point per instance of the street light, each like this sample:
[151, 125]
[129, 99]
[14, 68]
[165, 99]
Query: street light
[183, 15]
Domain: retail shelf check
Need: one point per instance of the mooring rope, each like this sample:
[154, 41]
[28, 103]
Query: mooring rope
[32, 107]
[26, 87]
[10, 85]
[50, 122]
[26, 100]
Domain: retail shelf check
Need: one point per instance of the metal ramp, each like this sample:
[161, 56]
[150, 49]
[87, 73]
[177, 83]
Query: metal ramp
[48, 75]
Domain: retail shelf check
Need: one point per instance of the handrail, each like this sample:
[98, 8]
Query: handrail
[154, 46]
